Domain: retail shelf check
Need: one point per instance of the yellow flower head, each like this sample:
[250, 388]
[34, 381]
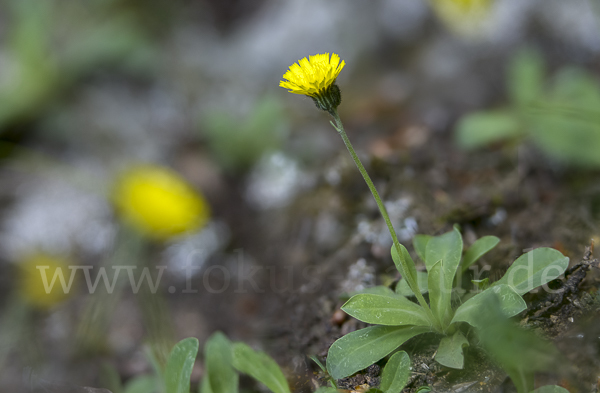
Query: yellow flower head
[39, 292]
[315, 77]
[159, 203]
[467, 5]
[465, 17]
[311, 77]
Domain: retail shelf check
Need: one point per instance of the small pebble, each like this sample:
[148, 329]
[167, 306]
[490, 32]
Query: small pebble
[338, 318]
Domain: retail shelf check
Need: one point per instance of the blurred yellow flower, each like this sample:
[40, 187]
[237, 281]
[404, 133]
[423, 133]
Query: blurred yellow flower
[314, 76]
[158, 202]
[44, 280]
[465, 17]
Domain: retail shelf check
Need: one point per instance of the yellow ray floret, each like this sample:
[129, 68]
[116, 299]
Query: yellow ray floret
[314, 75]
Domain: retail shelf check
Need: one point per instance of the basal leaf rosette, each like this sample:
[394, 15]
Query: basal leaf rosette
[397, 318]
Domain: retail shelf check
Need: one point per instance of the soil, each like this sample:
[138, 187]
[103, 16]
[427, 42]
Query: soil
[538, 205]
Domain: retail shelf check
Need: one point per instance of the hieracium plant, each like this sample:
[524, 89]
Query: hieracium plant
[395, 317]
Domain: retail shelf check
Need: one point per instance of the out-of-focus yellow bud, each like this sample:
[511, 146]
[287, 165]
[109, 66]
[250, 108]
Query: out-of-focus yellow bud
[44, 280]
[158, 202]
[464, 17]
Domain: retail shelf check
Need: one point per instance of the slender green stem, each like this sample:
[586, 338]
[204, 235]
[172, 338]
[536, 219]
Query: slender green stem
[411, 280]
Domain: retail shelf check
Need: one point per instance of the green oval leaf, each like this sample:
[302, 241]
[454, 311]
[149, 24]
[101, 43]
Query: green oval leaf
[535, 268]
[259, 366]
[550, 389]
[403, 289]
[142, 384]
[220, 374]
[525, 77]
[395, 373]
[570, 139]
[179, 365]
[450, 351]
[405, 260]
[474, 310]
[565, 122]
[420, 245]
[440, 295]
[360, 349]
[326, 389]
[205, 386]
[520, 352]
[477, 250]
[483, 128]
[386, 310]
[448, 249]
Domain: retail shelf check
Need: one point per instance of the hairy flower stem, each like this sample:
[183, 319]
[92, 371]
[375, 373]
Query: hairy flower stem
[411, 280]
